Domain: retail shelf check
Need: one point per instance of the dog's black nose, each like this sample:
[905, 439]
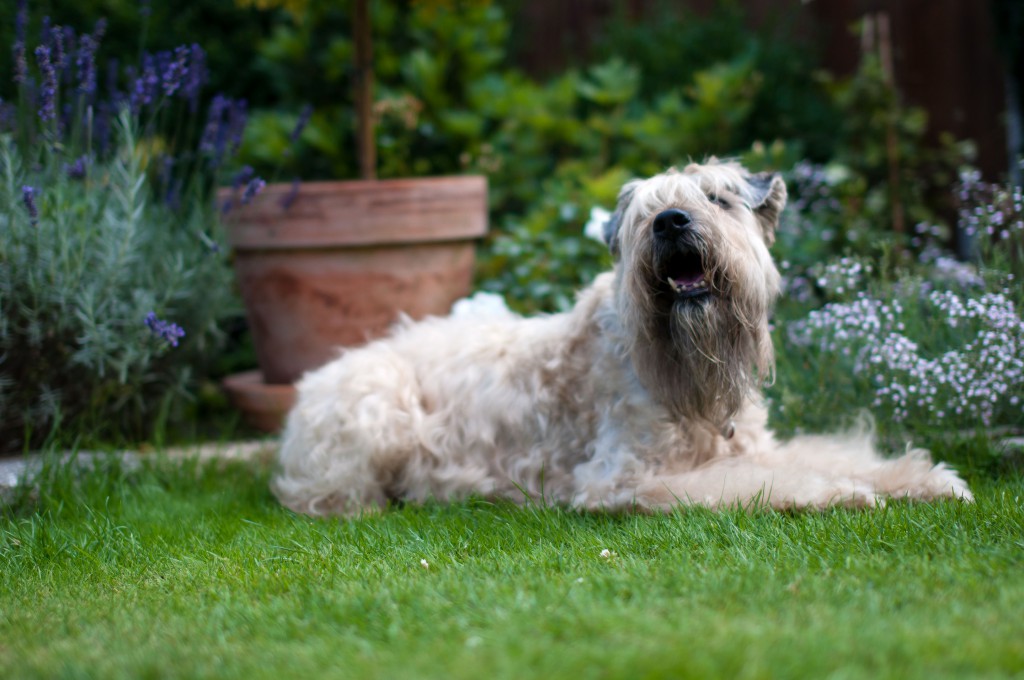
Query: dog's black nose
[671, 221]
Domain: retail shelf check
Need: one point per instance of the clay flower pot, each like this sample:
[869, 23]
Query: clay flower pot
[335, 263]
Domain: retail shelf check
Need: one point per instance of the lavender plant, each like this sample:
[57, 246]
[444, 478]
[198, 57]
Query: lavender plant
[113, 286]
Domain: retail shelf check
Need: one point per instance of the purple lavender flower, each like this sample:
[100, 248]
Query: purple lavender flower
[45, 33]
[195, 76]
[28, 196]
[239, 115]
[213, 131]
[242, 177]
[69, 41]
[86, 58]
[175, 69]
[55, 38]
[254, 187]
[18, 49]
[48, 91]
[166, 330]
[147, 85]
[76, 169]
[304, 117]
[85, 62]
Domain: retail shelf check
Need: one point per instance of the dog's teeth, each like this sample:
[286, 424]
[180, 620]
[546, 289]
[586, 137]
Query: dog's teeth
[684, 287]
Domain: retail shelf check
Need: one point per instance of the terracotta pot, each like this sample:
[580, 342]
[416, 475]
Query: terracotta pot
[263, 406]
[335, 263]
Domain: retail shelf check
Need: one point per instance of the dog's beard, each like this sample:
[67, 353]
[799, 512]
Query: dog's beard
[701, 355]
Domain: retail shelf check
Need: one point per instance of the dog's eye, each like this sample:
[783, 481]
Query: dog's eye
[721, 202]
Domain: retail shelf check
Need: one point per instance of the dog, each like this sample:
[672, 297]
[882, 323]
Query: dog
[645, 396]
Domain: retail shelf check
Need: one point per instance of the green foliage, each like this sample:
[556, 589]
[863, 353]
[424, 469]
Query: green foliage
[426, 57]
[882, 145]
[108, 246]
[542, 258]
[671, 43]
[77, 284]
[560, 149]
[445, 105]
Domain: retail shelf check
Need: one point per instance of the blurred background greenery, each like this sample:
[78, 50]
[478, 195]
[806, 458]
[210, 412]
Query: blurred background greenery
[469, 86]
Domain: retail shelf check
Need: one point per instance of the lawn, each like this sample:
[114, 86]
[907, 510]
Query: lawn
[187, 571]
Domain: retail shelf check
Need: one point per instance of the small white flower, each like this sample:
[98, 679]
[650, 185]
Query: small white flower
[608, 554]
[481, 306]
[425, 564]
[594, 228]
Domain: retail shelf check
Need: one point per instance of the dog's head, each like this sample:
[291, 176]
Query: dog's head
[696, 283]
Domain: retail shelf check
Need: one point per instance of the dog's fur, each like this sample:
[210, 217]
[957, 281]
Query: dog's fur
[640, 397]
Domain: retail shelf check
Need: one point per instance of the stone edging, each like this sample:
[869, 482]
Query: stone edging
[14, 471]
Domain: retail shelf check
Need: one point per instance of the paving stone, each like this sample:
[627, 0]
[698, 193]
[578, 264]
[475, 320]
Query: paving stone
[14, 471]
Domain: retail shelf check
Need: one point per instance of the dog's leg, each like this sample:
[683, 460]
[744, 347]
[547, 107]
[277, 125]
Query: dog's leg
[326, 470]
[353, 426]
[855, 455]
[745, 483]
[809, 472]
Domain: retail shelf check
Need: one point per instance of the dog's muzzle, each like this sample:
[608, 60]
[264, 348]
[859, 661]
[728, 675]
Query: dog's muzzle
[679, 258]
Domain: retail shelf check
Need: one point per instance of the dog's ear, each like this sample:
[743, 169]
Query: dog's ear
[767, 199]
[611, 227]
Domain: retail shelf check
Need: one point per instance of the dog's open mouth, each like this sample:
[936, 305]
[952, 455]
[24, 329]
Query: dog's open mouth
[685, 274]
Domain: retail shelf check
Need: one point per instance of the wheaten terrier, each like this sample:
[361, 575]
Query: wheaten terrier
[646, 395]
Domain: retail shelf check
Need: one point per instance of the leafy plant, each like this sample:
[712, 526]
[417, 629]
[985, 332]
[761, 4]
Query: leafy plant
[112, 282]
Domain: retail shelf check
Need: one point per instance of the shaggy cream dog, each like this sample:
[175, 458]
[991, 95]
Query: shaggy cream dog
[644, 396]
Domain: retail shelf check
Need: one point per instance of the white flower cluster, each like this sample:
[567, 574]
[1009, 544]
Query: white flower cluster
[991, 209]
[843, 276]
[974, 383]
[959, 274]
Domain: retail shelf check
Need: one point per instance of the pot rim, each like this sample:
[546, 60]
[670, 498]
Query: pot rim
[348, 213]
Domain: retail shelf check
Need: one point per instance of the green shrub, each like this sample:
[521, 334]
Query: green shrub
[671, 43]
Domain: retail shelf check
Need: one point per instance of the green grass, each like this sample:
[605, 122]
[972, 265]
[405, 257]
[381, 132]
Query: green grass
[175, 571]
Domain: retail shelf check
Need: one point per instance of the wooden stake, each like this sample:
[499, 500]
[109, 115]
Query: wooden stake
[891, 140]
[366, 147]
